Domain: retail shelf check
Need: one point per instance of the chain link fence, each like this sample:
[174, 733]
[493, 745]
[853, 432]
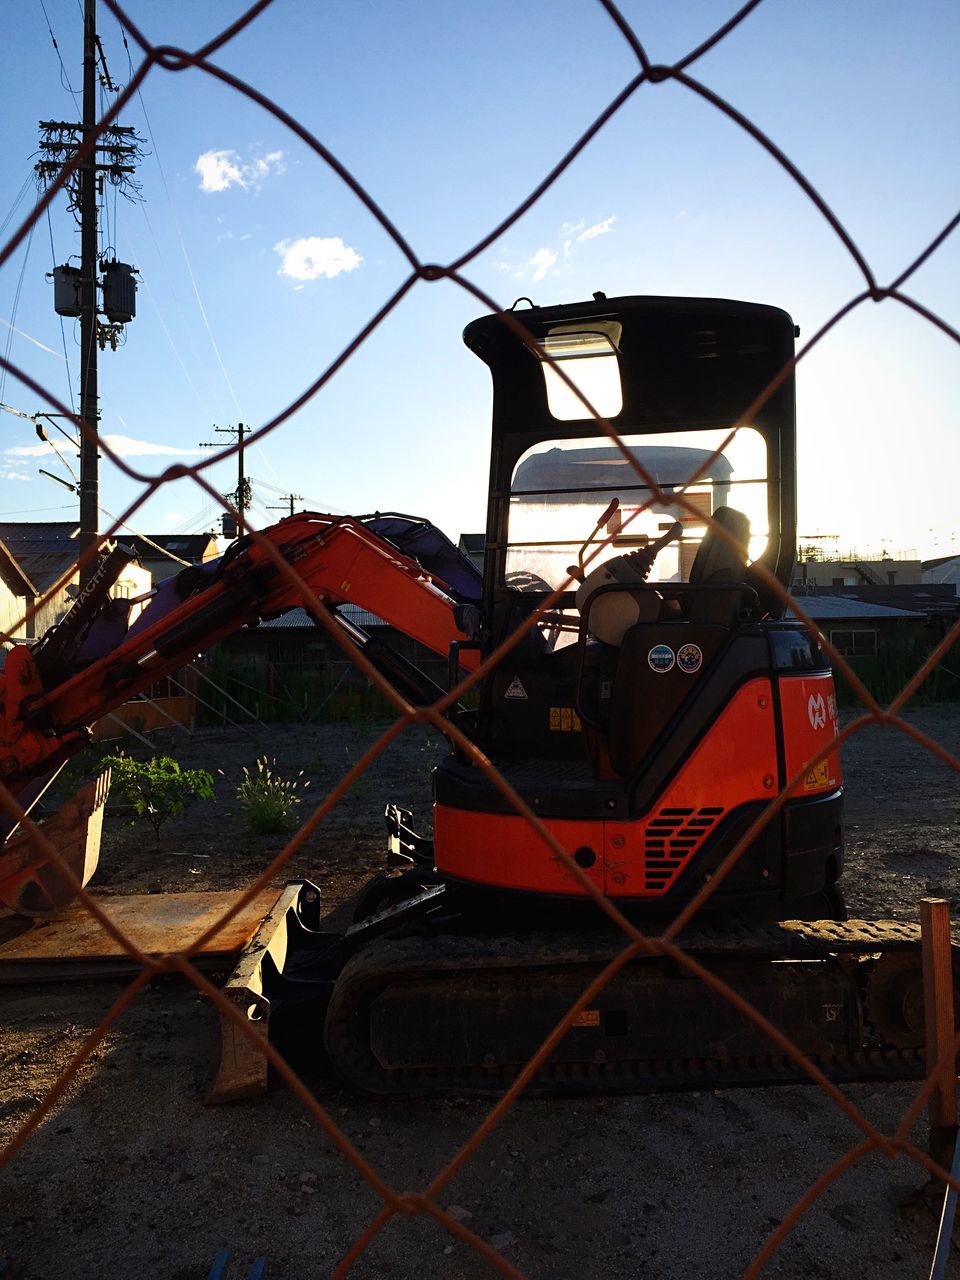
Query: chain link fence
[160, 61]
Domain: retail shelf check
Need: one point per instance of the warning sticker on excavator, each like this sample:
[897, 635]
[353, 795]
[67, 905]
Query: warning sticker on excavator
[516, 690]
[819, 776]
[564, 720]
[586, 1018]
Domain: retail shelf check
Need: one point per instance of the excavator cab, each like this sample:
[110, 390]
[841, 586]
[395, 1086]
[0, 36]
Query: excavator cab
[660, 699]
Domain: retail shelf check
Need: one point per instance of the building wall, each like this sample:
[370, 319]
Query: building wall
[12, 609]
[857, 573]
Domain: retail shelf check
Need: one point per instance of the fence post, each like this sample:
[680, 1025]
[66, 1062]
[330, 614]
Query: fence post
[939, 1021]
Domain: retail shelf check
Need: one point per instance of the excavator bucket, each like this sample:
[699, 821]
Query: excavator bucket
[30, 882]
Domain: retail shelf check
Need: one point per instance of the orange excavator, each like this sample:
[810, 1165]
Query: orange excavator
[653, 702]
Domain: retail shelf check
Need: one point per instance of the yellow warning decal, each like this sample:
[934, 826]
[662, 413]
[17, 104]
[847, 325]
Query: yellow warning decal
[586, 1018]
[564, 720]
[819, 776]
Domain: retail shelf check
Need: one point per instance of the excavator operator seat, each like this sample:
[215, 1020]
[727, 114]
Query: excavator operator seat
[718, 564]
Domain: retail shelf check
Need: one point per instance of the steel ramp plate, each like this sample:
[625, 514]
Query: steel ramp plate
[74, 945]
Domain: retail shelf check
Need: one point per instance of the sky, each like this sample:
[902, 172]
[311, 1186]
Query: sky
[258, 265]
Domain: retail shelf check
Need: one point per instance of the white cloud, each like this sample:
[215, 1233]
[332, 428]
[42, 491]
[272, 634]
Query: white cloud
[128, 447]
[123, 446]
[570, 235]
[313, 256]
[220, 170]
[7, 474]
[598, 229]
[542, 261]
[262, 166]
[29, 451]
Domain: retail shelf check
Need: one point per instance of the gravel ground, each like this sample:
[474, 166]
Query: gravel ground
[132, 1175]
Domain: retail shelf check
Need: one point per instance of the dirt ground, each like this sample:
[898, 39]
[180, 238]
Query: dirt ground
[132, 1175]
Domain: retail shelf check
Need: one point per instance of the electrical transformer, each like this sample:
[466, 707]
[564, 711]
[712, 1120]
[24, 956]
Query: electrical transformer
[119, 292]
[66, 290]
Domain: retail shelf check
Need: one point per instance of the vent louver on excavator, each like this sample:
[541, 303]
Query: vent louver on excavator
[671, 838]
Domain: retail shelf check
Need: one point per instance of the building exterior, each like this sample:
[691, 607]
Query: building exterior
[38, 557]
[163, 554]
[17, 596]
[941, 571]
[854, 571]
[859, 628]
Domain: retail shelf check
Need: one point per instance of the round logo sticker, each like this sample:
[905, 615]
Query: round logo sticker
[690, 658]
[660, 658]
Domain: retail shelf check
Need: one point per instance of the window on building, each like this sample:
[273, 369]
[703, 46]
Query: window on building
[855, 643]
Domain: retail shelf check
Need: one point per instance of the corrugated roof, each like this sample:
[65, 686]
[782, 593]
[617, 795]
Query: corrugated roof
[831, 607]
[194, 547]
[298, 618]
[43, 551]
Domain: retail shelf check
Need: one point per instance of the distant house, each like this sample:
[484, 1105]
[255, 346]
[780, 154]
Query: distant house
[854, 571]
[33, 559]
[290, 661]
[860, 628]
[17, 595]
[42, 555]
[163, 554]
[942, 571]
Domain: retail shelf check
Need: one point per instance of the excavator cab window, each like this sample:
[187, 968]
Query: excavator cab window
[562, 488]
[634, 559]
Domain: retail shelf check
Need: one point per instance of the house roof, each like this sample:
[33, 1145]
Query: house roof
[946, 569]
[11, 572]
[194, 547]
[42, 551]
[828, 608]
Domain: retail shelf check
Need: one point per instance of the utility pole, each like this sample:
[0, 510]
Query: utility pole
[89, 403]
[243, 495]
[291, 498]
[112, 157]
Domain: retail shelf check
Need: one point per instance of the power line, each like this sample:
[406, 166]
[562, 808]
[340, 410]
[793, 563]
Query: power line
[64, 78]
[16, 305]
[17, 199]
[63, 332]
[243, 496]
[183, 247]
[287, 497]
[143, 538]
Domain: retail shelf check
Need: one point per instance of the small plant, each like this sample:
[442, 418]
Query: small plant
[157, 789]
[269, 801]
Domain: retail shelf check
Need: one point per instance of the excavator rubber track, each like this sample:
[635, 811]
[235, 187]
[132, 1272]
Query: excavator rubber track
[435, 1015]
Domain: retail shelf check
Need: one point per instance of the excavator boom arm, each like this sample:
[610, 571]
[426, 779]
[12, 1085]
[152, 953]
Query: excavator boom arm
[339, 559]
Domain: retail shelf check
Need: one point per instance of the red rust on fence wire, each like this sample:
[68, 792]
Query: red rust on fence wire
[158, 59]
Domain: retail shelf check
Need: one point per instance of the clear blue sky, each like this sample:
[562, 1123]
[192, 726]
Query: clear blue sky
[449, 113]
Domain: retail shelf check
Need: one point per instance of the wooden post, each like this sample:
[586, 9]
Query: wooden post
[939, 1021]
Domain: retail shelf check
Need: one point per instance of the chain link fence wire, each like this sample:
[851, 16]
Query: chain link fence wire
[158, 61]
